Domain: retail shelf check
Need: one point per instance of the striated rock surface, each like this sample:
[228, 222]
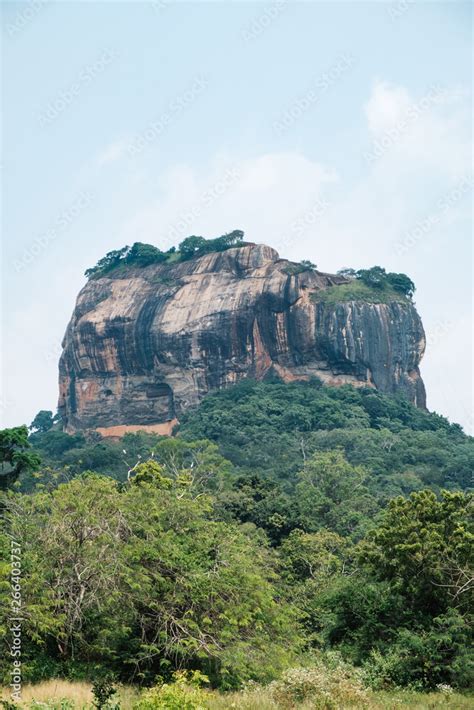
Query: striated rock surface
[145, 344]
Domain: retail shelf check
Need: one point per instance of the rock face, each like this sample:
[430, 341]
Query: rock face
[145, 344]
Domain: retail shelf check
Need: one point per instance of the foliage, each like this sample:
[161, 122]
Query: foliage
[197, 246]
[142, 581]
[184, 693]
[357, 290]
[60, 694]
[44, 421]
[378, 278]
[374, 285]
[144, 254]
[284, 521]
[425, 547]
[65, 456]
[140, 254]
[331, 494]
[304, 265]
[16, 458]
[425, 658]
[103, 689]
[270, 431]
[326, 685]
[407, 612]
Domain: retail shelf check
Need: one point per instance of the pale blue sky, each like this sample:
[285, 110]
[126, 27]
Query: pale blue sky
[260, 116]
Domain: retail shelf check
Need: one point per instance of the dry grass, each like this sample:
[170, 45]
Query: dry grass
[421, 701]
[78, 693]
[260, 700]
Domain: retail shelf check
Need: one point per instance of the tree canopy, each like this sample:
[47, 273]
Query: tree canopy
[378, 278]
[282, 522]
[140, 254]
[16, 456]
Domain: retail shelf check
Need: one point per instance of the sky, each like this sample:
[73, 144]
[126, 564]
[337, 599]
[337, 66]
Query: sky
[338, 132]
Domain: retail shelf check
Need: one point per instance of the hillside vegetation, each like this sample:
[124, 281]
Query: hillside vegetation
[315, 541]
[140, 254]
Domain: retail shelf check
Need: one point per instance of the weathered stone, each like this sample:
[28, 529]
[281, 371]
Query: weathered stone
[145, 344]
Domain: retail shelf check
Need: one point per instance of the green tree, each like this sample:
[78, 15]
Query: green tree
[347, 272]
[44, 421]
[309, 266]
[190, 246]
[375, 277]
[144, 254]
[425, 546]
[108, 262]
[230, 239]
[401, 283]
[331, 494]
[139, 579]
[407, 611]
[15, 455]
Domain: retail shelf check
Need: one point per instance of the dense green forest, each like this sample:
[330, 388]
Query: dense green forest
[283, 526]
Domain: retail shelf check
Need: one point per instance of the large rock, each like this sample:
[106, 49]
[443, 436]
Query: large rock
[144, 344]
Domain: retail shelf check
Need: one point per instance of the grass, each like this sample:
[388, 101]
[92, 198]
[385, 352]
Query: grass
[79, 696]
[421, 701]
[358, 291]
[78, 693]
[376, 701]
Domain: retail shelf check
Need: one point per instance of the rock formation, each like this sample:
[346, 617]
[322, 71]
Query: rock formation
[144, 344]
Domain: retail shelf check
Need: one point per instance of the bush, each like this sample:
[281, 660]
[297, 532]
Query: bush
[328, 684]
[185, 693]
[198, 246]
[103, 689]
[425, 659]
[140, 254]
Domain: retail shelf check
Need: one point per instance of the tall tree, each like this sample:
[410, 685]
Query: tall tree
[15, 455]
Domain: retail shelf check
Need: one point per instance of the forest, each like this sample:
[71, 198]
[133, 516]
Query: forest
[291, 543]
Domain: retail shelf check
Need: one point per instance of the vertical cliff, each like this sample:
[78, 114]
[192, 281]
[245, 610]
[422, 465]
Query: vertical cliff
[144, 344]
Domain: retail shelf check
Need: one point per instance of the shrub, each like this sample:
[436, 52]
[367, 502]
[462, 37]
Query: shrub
[420, 660]
[103, 689]
[300, 268]
[197, 246]
[185, 693]
[328, 684]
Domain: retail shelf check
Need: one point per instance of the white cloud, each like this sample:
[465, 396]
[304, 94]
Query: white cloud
[386, 106]
[261, 195]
